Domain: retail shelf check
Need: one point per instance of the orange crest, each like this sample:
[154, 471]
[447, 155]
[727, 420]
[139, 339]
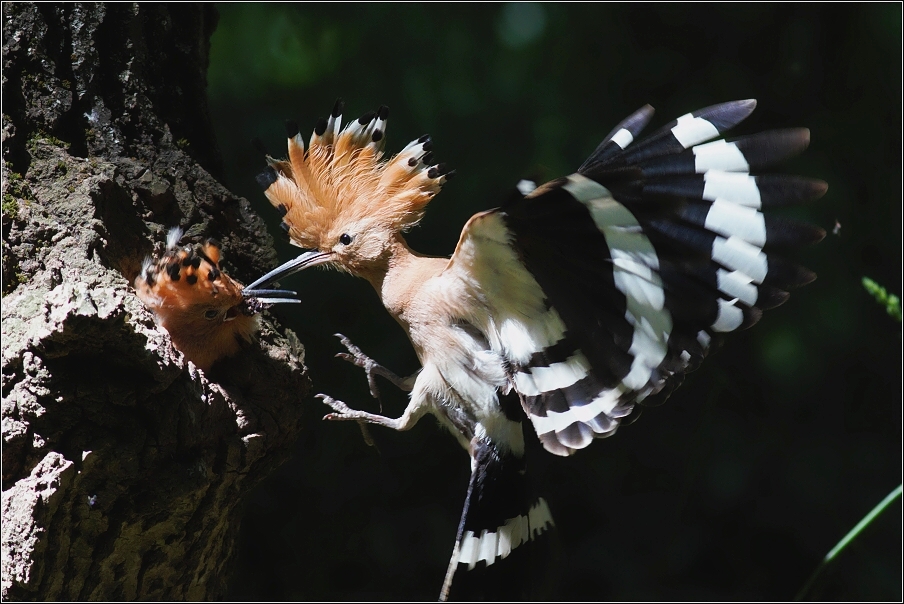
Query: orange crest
[341, 177]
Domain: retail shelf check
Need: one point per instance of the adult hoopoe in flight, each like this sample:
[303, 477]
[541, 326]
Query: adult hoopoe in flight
[569, 304]
[208, 314]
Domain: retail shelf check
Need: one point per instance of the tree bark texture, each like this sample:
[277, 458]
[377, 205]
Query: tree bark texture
[123, 465]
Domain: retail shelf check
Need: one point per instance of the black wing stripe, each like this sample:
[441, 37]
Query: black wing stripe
[689, 130]
[728, 219]
[599, 413]
[634, 271]
[732, 284]
[620, 137]
[568, 404]
[734, 254]
[688, 348]
[557, 353]
[725, 116]
[744, 154]
[768, 190]
[560, 246]
[694, 302]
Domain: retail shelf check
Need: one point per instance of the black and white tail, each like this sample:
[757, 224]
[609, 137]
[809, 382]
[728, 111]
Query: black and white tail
[507, 545]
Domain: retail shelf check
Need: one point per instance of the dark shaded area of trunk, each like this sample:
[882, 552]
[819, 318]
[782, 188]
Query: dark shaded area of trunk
[123, 466]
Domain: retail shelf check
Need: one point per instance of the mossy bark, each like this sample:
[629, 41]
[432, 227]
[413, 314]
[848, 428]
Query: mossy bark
[124, 467]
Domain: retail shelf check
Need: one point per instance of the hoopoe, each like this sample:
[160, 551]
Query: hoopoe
[208, 314]
[570, 304]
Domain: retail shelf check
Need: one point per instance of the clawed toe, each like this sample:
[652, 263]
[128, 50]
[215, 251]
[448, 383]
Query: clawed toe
[359, 359]
[341, 409]
[354, 354]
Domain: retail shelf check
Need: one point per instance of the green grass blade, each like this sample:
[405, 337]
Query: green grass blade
[852, 534]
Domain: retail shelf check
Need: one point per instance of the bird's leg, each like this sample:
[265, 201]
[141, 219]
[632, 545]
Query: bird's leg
[372, 369]
[412, 414]
[421, 402]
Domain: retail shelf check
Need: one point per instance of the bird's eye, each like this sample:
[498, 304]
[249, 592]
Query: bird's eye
[345, 239]
[211, 314]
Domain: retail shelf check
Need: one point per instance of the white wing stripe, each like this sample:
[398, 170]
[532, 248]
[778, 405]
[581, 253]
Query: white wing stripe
[629, 245]
[644, 294]
[557, 421]
[730, 219]
[622, 138]
[526, 187]
[736, 254]
[467, 553]
[488, 543]
[586, 190]
[730, 317]
[557, 376]
[643, 290]
[719, 155]
[737, 285]
[521, 339]
[732, 187]
[691, 130]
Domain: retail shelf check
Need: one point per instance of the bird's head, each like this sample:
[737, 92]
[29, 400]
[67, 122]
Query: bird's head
[340, 200]
[207, 313]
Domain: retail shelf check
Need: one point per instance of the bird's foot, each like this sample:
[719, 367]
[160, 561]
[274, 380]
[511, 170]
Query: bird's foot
[343, 412]
[371, 368]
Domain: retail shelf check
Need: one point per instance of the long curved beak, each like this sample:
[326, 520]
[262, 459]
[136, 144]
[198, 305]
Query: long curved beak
[306, 260]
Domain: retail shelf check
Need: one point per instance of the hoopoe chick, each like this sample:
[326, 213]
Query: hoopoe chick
[208, 314]
[569, 305]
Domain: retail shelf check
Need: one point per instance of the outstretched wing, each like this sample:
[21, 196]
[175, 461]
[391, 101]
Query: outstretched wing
[602, 289]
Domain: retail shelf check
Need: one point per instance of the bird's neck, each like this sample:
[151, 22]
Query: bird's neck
[400, 276]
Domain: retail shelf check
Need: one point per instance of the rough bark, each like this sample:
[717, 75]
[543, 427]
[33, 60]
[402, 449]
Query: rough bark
[123, 465]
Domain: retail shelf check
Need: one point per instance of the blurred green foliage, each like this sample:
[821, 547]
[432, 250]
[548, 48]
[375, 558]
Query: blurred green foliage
[734, 489]
[891, 302]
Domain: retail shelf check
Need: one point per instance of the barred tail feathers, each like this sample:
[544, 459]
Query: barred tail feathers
[506, 547]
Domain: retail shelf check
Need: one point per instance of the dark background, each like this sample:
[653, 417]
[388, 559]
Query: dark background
[760, 463]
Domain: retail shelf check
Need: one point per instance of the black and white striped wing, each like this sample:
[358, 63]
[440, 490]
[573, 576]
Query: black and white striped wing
[605, 287]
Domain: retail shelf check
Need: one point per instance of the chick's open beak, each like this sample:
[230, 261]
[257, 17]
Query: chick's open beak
[256, 300]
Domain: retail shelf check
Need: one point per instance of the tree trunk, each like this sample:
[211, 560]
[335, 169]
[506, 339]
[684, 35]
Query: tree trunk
[123, 465]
